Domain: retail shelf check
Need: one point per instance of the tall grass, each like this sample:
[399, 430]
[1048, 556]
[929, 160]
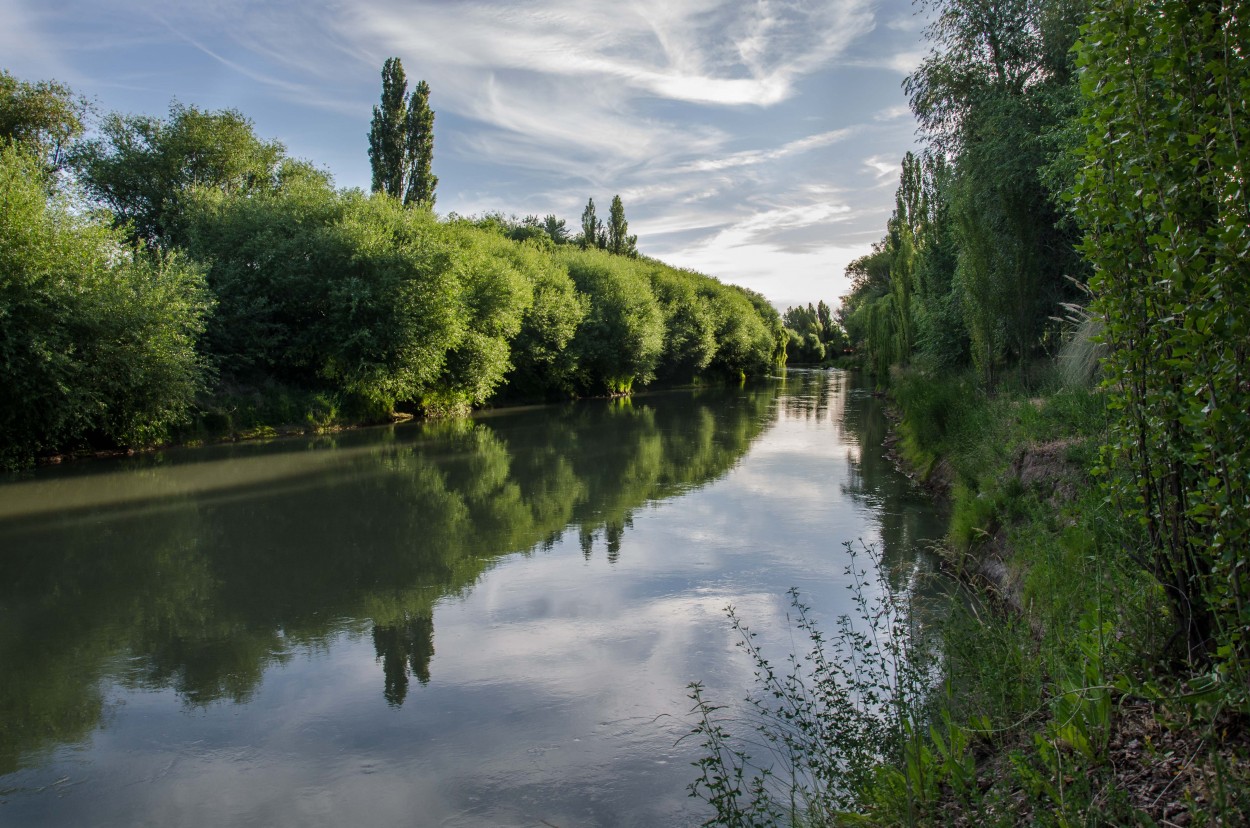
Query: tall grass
[1009, 714]
[829, 726]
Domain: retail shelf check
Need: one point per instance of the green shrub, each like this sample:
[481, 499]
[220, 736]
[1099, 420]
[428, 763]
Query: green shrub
[97, 341]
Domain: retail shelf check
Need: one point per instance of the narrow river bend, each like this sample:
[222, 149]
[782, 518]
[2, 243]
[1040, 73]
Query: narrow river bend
[480, 622]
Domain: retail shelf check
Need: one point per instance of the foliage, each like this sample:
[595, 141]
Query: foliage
[1163, 199]
[556, 228]
[401, 139]
[361, 294]
[812, 335]
[622, 336]
[750, 336]
[690, 340]
[329, 302]
[422, 180]
[835, 721]
[44, 115]
[267, 255]
[619, 240]
[978, 253]
[592, 235]
[543, 365]
[398, 309]
[141, 168]
[96, 341]
[495, 278]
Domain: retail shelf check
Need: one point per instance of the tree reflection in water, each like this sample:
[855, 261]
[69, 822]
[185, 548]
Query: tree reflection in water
[197, 570]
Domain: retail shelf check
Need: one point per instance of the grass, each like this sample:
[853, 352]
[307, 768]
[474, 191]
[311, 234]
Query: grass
[1086, 634]
[1054, 701]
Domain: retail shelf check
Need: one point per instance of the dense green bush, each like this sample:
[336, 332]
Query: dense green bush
[97, 341]
[325, 301]
[494, 278]
[620, 341]
[749, 342]
[689, 323]
[1163, 198]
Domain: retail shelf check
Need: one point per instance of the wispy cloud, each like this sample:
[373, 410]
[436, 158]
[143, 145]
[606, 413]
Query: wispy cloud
[883, 167]
[760, 156]
[738, 127]
[893, 113]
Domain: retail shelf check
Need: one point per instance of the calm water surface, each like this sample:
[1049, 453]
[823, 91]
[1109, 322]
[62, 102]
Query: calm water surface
[487, 622]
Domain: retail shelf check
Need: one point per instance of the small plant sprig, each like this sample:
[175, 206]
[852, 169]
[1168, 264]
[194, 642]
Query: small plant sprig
[834, 723]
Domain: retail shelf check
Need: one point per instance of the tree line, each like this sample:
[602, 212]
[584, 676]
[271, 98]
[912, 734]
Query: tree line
[1082, 192]
[160, 268]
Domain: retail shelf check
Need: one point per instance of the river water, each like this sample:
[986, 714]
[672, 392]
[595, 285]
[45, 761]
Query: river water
[481, 622]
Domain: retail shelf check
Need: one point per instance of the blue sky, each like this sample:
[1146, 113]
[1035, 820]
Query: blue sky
[757, 141]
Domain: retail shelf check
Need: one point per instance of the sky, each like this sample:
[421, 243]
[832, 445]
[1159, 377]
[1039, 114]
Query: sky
[757, 141]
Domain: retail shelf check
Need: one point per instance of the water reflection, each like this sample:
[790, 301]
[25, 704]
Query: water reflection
[908, 520]
[199, 570]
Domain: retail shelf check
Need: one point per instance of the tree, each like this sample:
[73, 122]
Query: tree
[388, 131]
[995, 97]
[401, 139]
[621, 338]
[422, 180]
[982, 47]
[97, 341]
[556, 229]
[619, 240]
[825, 317]
[1162, 197]
[591, 227]
[142, 168]
[44, 115]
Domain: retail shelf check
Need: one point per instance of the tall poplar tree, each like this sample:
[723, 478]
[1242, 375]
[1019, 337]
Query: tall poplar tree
[388, 131]
[421, 179]
[591, 226]
[619, 240]
[401, 139]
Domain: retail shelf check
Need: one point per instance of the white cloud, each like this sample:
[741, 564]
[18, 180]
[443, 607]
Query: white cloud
[724, 126]
[893, 113]
[752, 157]
[883, 167]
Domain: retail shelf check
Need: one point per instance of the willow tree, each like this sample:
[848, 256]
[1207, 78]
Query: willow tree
[991, 97]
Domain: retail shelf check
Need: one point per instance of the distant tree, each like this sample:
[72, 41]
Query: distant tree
[592, 228]
[825, 317]
[619, 240]
[401, 139]
[44, 115]
[422, 180]
[556, 229]
[388, 131]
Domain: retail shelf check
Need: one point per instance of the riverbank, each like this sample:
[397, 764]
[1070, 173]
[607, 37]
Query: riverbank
[1062, 673]
[238, 414]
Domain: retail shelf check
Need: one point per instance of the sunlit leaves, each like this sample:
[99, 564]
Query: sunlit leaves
[1163, 199]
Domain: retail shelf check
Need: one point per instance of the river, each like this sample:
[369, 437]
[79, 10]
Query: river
[489, 621]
